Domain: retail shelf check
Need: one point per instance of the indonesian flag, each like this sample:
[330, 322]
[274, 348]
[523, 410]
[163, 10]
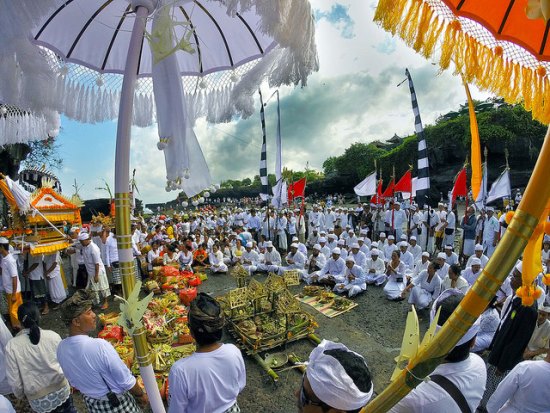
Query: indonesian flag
[460, 187]
[405, 183]
[297, 189]
[389, 192]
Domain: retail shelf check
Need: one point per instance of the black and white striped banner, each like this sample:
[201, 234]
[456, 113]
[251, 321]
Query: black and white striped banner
[264, 194]
[423, 173]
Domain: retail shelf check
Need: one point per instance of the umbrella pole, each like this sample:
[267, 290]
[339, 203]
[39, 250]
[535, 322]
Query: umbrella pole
[123, 202]
[500, 264]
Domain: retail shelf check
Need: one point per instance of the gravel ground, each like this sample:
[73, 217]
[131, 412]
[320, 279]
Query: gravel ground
[374, 329]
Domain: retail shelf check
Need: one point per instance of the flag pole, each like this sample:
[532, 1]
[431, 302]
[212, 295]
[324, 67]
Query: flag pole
[393, 202]
[465, 210]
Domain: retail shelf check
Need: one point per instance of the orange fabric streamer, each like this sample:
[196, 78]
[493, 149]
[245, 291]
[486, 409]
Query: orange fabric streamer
[475, 151]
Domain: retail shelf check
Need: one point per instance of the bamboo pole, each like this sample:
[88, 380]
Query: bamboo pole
[500, 264]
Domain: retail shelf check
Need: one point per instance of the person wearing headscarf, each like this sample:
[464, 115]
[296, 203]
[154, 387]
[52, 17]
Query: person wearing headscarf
[92, 365]
[463, 370]
[209, 380]
[337, 380]
[32, 368]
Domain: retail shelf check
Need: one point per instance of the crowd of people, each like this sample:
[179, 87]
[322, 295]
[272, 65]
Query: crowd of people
[408, 252]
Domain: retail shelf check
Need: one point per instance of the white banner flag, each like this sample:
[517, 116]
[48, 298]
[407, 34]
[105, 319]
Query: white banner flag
[367, 186]
[481, 200]
[501, 187]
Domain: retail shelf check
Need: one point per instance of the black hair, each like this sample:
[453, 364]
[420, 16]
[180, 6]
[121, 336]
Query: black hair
[448, 305]
[355, 367]
[29, 315]
[455, 268]
[5, 246]
[204, 338]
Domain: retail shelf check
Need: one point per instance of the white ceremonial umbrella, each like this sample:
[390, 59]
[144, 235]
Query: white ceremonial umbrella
[206, 58]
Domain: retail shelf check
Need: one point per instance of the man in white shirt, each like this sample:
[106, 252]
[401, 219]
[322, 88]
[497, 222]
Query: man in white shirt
[484, 259]
[399, 217]
[97, 276]
[314, 264]
[92, 365]
[10, 282]
[325, 250]
[354, 279]
[421, 264]
[295, 260]
[375, 269]
[451, 257]
[250, 259]
[271, 260]
[358, 255]
[111, 261]
[524, 389]
[472, 273]
[406, 257]
[211, 378]
[461, 369]
[389, 248]
[491, 232]
[333, 271]
[415, 249]
[450, 225]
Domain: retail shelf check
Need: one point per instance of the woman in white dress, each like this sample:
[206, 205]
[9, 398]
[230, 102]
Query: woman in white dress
[186, 258]
[395, 272]
[153, 257]
[424, 289]
[52, 274]
[216, 260]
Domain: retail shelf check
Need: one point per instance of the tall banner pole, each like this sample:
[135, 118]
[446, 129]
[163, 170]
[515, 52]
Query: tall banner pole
[123, 203]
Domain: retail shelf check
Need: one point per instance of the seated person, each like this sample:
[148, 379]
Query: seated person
[354, 279]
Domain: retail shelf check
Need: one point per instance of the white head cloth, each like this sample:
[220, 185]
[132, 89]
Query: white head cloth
[330, 382]
[474, 329]
[83, 236]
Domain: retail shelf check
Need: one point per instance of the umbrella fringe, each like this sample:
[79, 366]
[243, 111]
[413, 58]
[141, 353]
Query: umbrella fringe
[422, 28]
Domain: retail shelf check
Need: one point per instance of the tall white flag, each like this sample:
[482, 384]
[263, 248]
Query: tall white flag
[501, 187]
[367, 186]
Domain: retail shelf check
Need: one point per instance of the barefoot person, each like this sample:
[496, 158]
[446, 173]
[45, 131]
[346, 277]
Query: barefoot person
[97, 276]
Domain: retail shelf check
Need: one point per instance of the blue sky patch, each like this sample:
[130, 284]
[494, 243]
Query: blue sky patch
[339, 17]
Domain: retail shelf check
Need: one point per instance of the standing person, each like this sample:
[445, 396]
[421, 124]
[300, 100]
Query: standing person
[469, 224]
[34, 271]
[10, 282]
[524, 390]
[97, 277]
[450, 225]
[462, 371]
[281, 228]
[92, 366]
[209, 380]
[491, 231]
[52, 273]
[32, 368]
[337, 380]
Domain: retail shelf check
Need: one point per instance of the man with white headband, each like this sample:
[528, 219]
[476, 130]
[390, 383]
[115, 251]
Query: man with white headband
[458, 383]
[337, 380]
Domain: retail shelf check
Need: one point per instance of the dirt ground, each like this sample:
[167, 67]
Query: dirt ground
[374, 329]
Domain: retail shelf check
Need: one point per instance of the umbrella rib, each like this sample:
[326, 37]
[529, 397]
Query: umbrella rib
[199, 53]
[85, 27]
[251, 33]
[544, 38]
[65, 4]
[219, 30]
[505, 18]
[140, 53]
[119, 25]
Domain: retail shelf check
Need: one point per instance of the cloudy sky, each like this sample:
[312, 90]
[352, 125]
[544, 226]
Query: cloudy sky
[353, 98]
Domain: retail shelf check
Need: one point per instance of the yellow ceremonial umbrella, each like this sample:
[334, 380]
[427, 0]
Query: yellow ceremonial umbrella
[501, 46]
